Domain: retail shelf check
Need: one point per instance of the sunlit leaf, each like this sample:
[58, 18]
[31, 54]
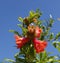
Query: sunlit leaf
[20, 25]
[51, 58]
[9, 60]
[31, 13]
[56, 44]
[20, 19]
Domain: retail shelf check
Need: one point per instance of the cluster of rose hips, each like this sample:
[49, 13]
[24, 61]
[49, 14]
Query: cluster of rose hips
[33, 33]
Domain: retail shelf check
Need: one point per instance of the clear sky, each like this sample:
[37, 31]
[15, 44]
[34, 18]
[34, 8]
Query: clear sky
[10, 10]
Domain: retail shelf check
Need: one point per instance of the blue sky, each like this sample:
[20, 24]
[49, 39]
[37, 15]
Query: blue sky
[10, 10]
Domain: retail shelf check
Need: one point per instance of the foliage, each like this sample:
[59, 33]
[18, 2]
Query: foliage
[27, 53]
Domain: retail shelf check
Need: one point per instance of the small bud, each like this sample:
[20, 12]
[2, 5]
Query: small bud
[31, 29]
[34, 20]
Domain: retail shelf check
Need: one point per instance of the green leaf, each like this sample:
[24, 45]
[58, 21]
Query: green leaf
[51, 36]
[31, 13]
[20, 19]
[16, 55]
[39, 12]
[58, 48]
[51, 22]
[57, 61]
[39, 22]
[46, 32]
[56, 44]
[15, 32]
[45, 55]
[57, 36]
[41, 55]
[20, 25]
[51, 59]
[24, 31]
[20, 60]
[9, 60]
